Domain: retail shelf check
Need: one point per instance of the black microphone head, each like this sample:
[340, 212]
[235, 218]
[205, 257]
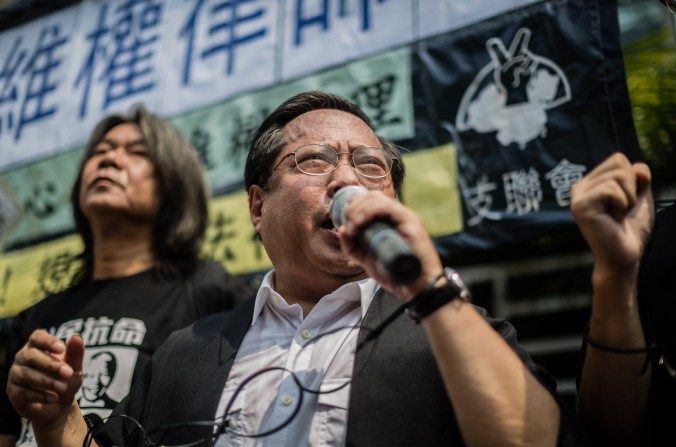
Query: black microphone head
[340, 200]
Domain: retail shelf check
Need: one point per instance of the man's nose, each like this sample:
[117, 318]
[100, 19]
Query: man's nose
[343, 175]
[112, 158]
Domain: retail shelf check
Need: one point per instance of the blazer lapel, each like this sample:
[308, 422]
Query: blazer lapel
[374, 316]
[235, 326]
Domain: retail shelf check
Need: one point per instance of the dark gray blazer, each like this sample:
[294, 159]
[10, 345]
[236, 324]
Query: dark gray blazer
[397, 397]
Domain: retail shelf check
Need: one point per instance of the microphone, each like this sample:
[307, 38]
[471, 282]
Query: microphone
[392, 255]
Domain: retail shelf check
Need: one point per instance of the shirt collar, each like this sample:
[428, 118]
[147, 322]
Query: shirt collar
[364, 290]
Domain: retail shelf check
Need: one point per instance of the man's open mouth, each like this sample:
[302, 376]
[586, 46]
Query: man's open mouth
[327, 224]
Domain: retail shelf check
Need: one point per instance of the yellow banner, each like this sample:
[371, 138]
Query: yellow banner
[430, 189]
[28, 275]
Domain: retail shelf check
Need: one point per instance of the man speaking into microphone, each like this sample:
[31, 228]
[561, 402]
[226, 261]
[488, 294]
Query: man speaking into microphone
[284, 368]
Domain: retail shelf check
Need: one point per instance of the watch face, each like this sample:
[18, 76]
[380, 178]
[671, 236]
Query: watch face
[457, 283]
[430, 300]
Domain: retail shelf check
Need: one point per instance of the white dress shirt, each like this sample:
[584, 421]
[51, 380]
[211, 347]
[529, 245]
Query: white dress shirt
[318, 352]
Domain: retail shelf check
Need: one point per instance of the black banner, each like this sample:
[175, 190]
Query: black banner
[533, 100]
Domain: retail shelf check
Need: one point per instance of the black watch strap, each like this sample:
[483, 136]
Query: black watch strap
[433, 297]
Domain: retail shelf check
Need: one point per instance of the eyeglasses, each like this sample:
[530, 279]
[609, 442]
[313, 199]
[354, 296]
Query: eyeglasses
[227, 424]
[322, 159]
[182, 434]
[299, 385]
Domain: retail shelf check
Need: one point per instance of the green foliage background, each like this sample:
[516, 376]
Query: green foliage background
[650, 65]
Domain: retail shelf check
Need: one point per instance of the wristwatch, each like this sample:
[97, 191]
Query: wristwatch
[432, 298]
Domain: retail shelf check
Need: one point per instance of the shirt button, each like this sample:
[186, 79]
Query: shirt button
[305, 333]
[287, 400]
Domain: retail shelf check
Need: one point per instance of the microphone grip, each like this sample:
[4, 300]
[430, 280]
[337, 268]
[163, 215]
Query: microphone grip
[391, 253]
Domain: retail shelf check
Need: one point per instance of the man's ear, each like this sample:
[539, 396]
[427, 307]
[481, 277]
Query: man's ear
[256, 196]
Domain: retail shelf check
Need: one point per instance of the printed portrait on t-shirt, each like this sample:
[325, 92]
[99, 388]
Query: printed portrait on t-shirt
[111, 353]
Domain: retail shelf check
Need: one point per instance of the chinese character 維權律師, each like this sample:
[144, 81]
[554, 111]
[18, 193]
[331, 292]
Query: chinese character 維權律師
[226, 19]
[123, 51]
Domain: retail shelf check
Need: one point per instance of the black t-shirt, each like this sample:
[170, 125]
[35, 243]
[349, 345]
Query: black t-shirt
[657, 302]
[122, 321]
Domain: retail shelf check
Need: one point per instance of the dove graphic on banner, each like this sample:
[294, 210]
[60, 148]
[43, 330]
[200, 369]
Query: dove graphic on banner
[512, 93]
